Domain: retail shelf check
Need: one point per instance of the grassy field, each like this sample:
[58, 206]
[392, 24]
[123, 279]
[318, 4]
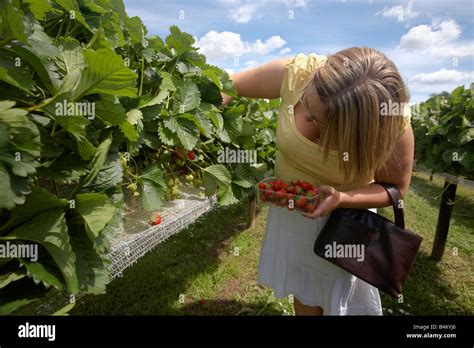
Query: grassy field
[211, 267]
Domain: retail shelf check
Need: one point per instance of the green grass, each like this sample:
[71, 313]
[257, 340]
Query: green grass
[445, 287]
[200, 264]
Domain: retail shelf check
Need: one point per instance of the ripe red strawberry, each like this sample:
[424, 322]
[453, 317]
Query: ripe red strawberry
[301, 202]
[154, 219]
[202, 301]
[263, 197]
[262, 186]
[277, 185]
[284, 186]
[280, 194]
[191, 156]
[306, 186]
[313, 192]
[269, 195]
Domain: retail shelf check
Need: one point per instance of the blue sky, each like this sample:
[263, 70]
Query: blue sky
[431, 41]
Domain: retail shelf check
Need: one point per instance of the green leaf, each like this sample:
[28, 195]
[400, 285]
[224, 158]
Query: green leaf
[14, 75]
[180, 41]
[39, 8]
[43, 66]
[154, 188]
[184, 133]
[134, 27]
[213, 74]
[38, 201]
[24, 135]
[201, 122]
[43, 273]
[218, 173]
[213, 113]
[71, 5]
[64, 310]
[14, 189]
[109, 176]
[11, 277]
[156, 100]
[96, 209]
[187, 98]
[72, 57]
[105, 73]
[232, 124]
[109, 111]
[97, 162]
[226, 196]
[466, 136]
[12, 21]
[168, 82]
[167, 136]
[50, 230]
[76, 127]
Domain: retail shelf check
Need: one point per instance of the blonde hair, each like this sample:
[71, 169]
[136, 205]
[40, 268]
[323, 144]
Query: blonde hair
[353, 84]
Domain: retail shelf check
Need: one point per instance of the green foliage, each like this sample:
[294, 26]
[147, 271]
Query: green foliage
[92, 106]
[444, 132]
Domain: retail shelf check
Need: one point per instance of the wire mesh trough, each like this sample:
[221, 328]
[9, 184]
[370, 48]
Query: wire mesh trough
[137, 237]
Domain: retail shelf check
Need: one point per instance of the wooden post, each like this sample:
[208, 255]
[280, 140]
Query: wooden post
[252, 206]
[449, 193]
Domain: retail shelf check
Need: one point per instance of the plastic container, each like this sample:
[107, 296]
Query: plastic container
[294, 197]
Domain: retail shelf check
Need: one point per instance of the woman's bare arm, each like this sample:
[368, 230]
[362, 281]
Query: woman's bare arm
[261, 82]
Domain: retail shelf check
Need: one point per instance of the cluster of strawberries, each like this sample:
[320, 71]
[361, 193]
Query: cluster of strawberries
[297, 194]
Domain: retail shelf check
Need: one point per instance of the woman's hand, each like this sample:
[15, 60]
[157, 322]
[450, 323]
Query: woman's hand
[331, 200]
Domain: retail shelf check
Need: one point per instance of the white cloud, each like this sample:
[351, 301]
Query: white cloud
[437, 39]
[285, 50]
[243, 13]
[294, 3]
[443, 76]
[399, 12]
[224, 45]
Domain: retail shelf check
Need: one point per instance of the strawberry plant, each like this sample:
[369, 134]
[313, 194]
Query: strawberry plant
[444, 132]
[94, 112]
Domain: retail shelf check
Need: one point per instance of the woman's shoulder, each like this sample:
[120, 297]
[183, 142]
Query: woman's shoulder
[298, 70]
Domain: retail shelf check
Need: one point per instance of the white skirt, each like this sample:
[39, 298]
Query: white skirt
[289, 265]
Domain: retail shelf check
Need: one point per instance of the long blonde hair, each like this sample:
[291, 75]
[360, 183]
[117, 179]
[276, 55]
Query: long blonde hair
[354, 84]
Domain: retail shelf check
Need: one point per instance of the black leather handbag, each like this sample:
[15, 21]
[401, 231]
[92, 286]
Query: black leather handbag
[386, 250]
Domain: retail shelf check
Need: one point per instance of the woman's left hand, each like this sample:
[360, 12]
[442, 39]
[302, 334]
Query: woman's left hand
[331, 200]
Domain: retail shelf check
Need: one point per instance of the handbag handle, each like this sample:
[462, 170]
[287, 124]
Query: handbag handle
[396, 198]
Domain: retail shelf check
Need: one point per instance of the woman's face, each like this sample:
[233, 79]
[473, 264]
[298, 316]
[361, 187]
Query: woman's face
[315, 109]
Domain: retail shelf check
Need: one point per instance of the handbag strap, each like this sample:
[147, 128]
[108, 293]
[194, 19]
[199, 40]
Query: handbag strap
[397, 204]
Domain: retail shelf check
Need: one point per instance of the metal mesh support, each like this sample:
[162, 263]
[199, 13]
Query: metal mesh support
[138, 238]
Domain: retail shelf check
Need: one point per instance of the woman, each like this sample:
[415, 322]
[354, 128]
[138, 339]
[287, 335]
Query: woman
[335, 129]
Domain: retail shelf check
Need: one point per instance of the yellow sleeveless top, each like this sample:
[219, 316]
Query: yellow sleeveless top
[297, 156]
